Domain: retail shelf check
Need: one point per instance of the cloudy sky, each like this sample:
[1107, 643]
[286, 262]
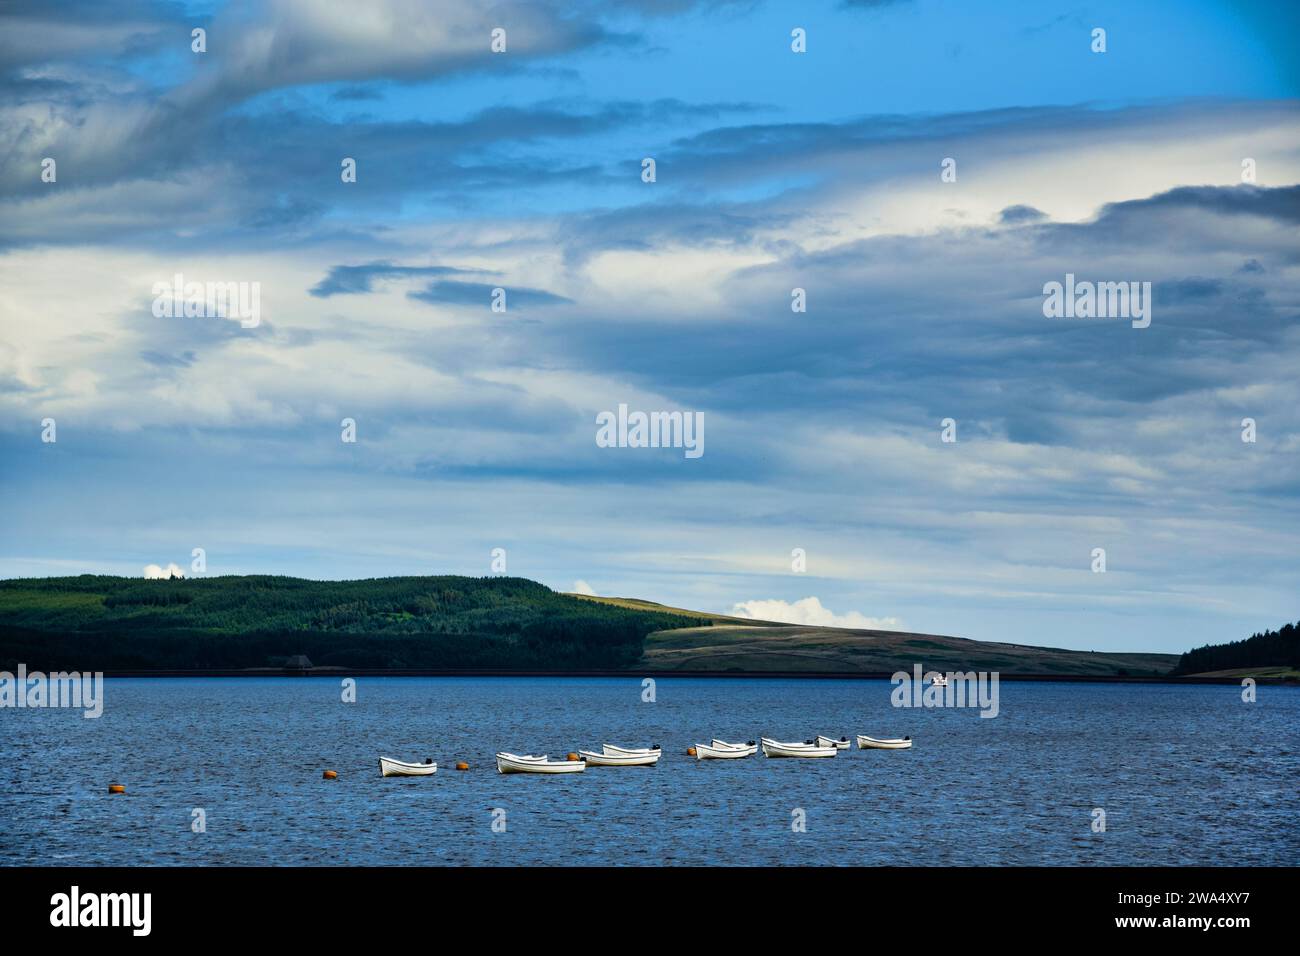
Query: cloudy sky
[774, 170]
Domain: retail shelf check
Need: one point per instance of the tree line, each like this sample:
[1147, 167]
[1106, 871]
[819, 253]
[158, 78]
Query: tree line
[1280, 648]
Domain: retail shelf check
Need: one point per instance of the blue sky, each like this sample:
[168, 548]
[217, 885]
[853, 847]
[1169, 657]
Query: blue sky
[775, 170]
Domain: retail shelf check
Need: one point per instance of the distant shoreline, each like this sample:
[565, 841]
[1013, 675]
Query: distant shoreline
[444, 625]
[339, 672]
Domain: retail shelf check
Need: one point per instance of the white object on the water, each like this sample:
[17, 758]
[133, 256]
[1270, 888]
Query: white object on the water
[400, 768]
[841, 744]
[629, 751]
[717, 744]
[513, 763]
[729, 752]
[939, 680]
[892, 743]
[647, 759]
[775, 748]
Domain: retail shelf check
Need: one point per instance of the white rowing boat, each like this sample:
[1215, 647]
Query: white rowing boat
[626, 751]
[775, 748]
[513, 763]
[892, 743]
[400, 768]
[705, 752]
[647, 759]
[841, 744]
[717, 744]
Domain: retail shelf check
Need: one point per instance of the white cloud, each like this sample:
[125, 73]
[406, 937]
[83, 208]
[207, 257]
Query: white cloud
[154, 571]
[809, 610]
[582, 587]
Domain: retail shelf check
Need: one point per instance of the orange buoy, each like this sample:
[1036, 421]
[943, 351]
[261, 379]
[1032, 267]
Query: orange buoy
[116, 788]
[573, 757]
[462, 766]
[690, 751]
[329, 775]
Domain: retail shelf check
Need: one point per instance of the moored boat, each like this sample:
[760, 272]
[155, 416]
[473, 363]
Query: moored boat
[513, 763]
[717, 744]
[624, 751]
[841, 744]
[775, 748]
[887, 743]
[707, 752]
[389, 767]
[646, 759]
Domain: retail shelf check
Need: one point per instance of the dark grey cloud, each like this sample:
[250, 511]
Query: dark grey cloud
[1190, 290]
[1018, 214]
[1280, 204]
[647, 226]
[477, 293]
[348, 93]
[39, 31]
[1197, 219]
[297, 156]
[662, 8]
[164, 360]
[360, 279]
[867, 149]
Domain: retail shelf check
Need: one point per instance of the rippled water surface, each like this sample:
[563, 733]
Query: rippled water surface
[1185, 774]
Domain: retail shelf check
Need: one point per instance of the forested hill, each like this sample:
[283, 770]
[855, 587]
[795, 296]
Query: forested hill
[97, 622]
[1278, 649]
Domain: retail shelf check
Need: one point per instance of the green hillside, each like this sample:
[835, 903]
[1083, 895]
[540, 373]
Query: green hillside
[96, 622]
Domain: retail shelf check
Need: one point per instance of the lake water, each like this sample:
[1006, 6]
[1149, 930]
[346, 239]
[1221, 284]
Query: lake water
[1185, 775]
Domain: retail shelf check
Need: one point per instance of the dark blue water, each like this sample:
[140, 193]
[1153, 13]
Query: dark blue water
[1185, 774]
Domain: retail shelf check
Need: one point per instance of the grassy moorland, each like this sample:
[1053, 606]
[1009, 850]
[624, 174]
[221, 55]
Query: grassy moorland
[799, 648]
[738, 644]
